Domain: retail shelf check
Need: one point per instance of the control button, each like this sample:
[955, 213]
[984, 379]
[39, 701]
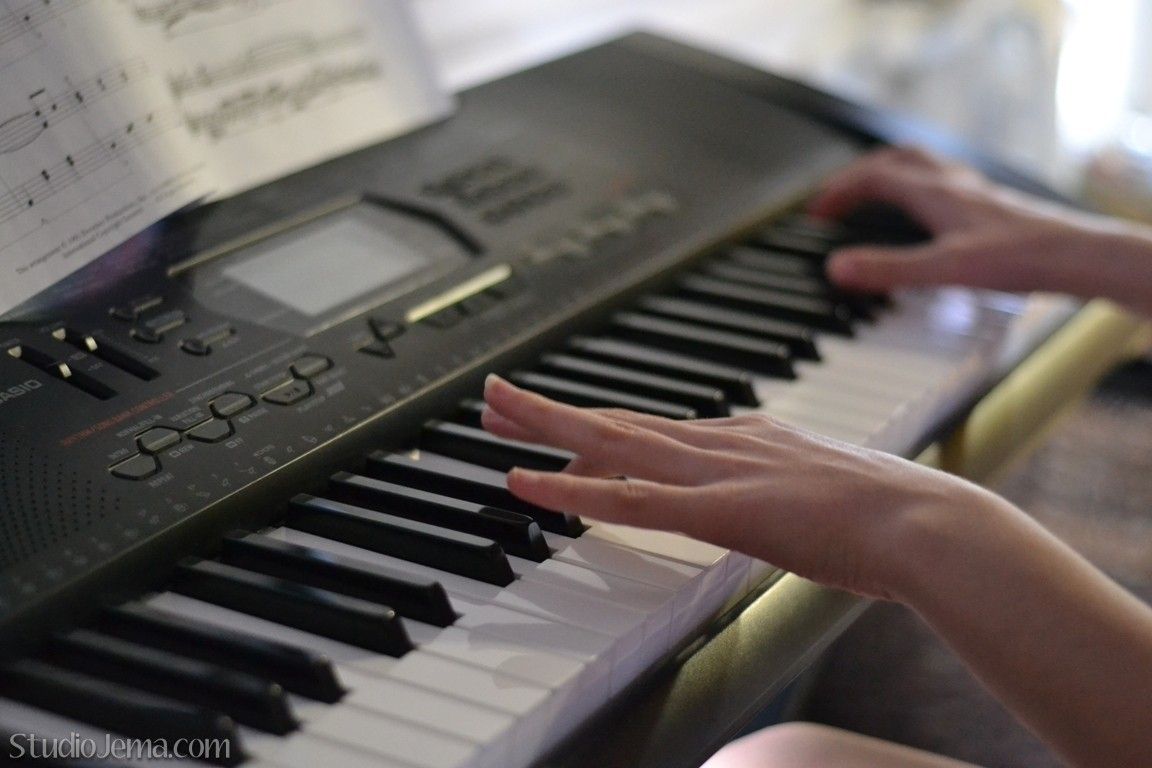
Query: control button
[445, 318]
[201, 344]
[106, 352]
[157, 439]
[386, 330]
[151, 330]
[287, 394]
[310, 365]
[211, 431]
[378, 349]
[133, 308]
[231, 403]
[138, 467]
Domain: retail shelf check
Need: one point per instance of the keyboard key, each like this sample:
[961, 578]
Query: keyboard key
[517, 534]
[707, 402]
[735, 383]
[315, 610]
[118, 708]
[485, 449]
[452, 551]
[818, 313]
[297, 671]
[421, 599]
[591, 396]
[731, 349]
[800, 340]
[452, 477]
[247, 699]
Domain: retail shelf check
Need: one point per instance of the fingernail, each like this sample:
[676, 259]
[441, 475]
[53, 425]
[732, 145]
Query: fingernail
[491, 380]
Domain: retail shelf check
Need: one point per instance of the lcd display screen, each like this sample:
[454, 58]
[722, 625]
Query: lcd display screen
[326, 264]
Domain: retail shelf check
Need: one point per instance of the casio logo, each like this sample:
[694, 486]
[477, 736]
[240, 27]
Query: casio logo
[11, 393]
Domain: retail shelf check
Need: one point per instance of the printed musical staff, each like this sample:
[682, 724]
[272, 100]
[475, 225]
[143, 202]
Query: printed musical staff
[267, 56]
[172, 16]
[86, 160]
[48, 109]
[249, 106]
[19, 21]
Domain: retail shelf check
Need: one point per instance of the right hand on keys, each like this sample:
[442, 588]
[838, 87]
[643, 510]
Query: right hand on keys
[985, 235]
[836, 513]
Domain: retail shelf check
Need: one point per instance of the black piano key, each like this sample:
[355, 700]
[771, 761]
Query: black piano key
[339, 617]
[592, 396]
[860, 306]
[249, 700]
[774, 262]
[452, 477]
[800, 340]
[418, 599]
[707, 402]
[787, 265]
[452, 551]
[296, 669]
[732, 349]
[830, 232]
[799, 284]
[797, 241]
[479, 447]
[470, 412]
[517, 534]
[819, 313]
[736, 384]
[120, 709]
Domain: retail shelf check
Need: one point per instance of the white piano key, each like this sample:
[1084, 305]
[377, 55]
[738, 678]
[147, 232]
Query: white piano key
[306, 750]
[605, 557]
[468, 597]
[726, 571]
[470, 691]
[655, 603]
[437, 711]
[393, 739]
[32, 722]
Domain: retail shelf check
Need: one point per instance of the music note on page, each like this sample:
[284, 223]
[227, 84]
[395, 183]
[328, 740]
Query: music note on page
[271, 86]
[91, 148]
[115, 113]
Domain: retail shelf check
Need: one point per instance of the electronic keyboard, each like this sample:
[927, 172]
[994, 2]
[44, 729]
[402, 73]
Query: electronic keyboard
[248, 501]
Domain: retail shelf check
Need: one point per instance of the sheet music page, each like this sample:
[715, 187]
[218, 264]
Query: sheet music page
[267, 87]
[92, 147]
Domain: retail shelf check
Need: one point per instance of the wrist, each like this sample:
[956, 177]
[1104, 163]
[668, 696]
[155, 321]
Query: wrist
[943, 538]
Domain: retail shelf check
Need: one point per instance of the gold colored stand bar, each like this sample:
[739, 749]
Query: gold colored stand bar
[690, 709]
[1018, 413]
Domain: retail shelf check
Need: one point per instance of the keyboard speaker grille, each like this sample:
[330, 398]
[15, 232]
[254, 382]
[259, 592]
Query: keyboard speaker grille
[44, 503]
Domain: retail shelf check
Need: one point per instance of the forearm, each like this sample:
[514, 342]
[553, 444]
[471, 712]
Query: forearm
[1060, 644]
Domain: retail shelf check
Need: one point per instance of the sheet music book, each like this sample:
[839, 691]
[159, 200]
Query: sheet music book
[114, 113]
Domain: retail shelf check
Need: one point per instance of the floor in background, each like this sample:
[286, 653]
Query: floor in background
[1091, 483]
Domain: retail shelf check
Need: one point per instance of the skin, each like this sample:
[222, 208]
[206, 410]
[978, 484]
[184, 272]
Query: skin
[1065, 648]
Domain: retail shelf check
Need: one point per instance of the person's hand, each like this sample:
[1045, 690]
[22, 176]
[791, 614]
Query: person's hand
[838, 514]
[984, 235]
